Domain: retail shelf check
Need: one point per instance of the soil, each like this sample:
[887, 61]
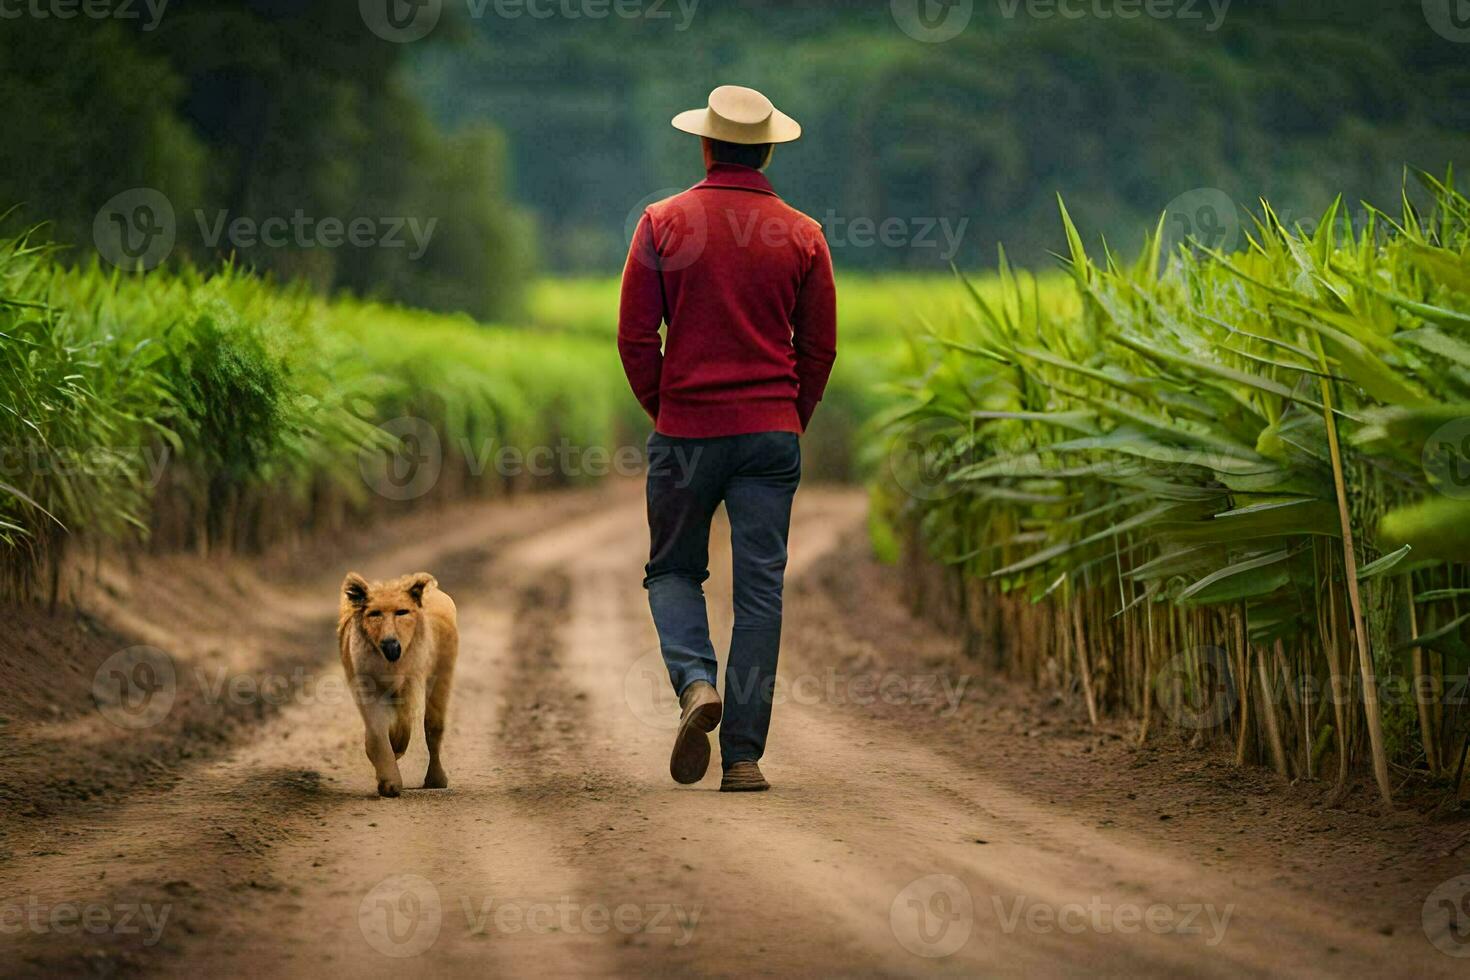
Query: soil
[925, 817]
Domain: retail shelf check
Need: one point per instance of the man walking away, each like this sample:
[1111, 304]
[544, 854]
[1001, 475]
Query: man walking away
[744, 284]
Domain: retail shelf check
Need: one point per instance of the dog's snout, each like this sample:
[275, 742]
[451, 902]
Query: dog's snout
[391, 649]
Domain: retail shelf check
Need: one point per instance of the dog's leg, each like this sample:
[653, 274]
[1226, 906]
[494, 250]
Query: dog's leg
[401, 731]
[436, 710]
[377, 720]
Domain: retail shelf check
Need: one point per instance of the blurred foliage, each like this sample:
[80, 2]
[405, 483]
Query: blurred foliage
[259, 109]
[1296, 102]
[880, 319]
[874, 307]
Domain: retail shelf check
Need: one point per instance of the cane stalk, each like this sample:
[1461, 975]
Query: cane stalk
[1423, 688]
[1350, 574]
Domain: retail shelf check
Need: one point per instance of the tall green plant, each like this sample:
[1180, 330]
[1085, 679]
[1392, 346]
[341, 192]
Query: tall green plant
[1166, 453]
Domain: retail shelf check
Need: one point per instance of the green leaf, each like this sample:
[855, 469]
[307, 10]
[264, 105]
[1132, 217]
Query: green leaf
[1434, 639]
[1383, 564]
[1233, 583]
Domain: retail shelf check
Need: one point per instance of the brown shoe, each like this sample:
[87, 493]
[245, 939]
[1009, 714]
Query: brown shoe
[743, 777]
[702, 710]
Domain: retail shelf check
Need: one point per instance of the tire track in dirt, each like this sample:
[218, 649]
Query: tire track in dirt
[739, 868]
[226, 622]
[562, 769]
[813, 878]
[538, 714]
[275, 847]
[802, 876]
[748, 871]
[277, 860]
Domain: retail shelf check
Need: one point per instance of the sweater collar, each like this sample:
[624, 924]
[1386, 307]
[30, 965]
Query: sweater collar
[735, 176]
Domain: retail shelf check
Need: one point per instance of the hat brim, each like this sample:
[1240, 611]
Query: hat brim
[776, 128]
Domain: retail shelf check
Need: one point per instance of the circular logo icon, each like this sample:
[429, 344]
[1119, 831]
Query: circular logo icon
[922, 454]
[1449, 18]
[1206, 693]
[407, 468]
[1446, 916]
[1206, 217]
[682, 232]
[1447, 459]
[649, 694]
[932, 21]
[135, 688]
[135, 230]
[401, 916]
[400, 21]
[933, 916]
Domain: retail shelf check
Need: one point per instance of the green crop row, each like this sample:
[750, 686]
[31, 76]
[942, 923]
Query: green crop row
[1230, 489]
[220, 411]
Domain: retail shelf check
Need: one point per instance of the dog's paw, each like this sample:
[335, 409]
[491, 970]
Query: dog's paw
[389, 788]
[436, 779]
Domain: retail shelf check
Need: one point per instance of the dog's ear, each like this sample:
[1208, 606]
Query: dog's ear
[418, 583]
[355, 590]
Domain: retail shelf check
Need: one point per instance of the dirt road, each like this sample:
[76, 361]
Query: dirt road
[898, 841]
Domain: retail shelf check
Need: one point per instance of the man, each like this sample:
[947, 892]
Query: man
[744, 284]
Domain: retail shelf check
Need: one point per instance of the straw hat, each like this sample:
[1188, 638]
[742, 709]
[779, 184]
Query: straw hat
[739, 115]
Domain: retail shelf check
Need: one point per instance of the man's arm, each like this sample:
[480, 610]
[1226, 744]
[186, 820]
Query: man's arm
[640, 312]
[814, 331]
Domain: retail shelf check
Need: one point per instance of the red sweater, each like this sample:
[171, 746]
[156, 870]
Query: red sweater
[744, 282]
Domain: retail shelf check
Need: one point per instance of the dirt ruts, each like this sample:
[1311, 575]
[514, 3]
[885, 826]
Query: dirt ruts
[960, 827]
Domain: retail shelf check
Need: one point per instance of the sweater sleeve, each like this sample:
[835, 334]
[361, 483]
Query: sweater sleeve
[814, 331]
[640, 312]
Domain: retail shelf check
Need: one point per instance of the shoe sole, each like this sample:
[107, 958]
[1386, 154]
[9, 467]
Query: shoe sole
[690, 759]
[744, 787]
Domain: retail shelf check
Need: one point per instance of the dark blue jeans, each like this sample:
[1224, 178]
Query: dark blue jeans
[755, 476]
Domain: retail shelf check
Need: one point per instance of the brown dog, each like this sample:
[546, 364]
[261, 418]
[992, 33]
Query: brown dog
[399, 640]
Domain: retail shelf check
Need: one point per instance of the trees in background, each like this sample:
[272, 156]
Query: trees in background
[1297, 102]
[268, 109]
[255, 111]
